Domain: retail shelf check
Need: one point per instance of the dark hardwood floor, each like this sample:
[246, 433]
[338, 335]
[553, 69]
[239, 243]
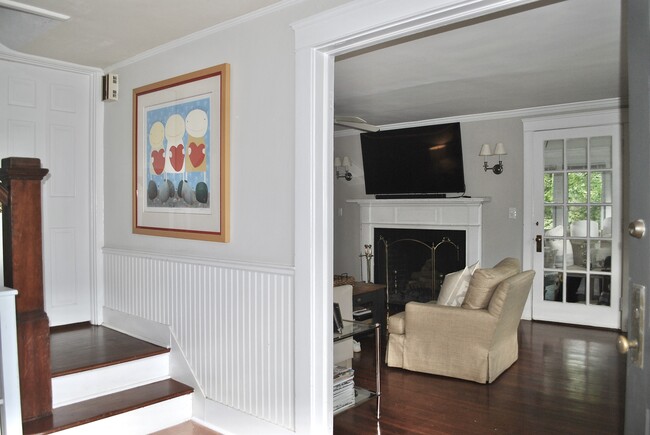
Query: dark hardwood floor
[82, 346]
[568, 380]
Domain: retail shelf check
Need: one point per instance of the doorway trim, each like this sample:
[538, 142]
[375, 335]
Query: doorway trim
[318, 40]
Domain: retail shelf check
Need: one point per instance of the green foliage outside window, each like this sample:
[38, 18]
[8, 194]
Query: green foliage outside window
[577, 193]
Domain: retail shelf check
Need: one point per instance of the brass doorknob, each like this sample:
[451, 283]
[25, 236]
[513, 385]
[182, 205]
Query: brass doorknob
[623, 345]
[636, 228]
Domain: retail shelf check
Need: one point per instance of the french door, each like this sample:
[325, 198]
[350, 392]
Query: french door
[577, 194]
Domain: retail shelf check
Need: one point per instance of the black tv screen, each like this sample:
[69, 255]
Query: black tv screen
[414, 161]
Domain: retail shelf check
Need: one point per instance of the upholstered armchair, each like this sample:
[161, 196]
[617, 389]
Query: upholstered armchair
[476, 341]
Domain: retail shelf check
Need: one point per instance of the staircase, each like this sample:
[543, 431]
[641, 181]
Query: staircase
[106, 382]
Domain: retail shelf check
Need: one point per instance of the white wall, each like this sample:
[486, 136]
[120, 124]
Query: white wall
[261, 54]
[502, 237]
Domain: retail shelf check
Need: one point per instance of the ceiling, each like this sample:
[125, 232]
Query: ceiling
[552, 53]
[559, 52]
[101, 33]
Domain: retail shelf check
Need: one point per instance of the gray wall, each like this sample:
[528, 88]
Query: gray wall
[261, 55]
[502, 237]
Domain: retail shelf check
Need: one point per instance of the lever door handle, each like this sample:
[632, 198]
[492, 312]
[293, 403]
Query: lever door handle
[538, 241]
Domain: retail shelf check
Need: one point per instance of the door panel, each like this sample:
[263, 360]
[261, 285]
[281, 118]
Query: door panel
[47, 115]
[577, 191]
[637, 392]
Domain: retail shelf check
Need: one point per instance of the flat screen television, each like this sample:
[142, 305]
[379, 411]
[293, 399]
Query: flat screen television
[414, 162]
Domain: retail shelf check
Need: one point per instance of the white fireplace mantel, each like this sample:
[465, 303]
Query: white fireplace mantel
[463, 214]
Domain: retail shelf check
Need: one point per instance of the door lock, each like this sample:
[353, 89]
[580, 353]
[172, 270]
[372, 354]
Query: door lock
[538, 241]
[633, 344]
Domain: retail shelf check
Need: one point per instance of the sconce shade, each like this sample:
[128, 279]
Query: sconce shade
[345, 164]
[499, 149]
[485, 150]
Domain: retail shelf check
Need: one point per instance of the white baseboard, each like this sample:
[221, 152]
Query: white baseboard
[230, 421]
[180, 370]
[137, 327]
[159, 334]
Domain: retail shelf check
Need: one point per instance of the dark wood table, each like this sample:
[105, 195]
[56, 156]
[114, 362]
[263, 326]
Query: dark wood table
[373, 297]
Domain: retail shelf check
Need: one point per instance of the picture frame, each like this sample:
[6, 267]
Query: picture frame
[338, 319]
[181, 156]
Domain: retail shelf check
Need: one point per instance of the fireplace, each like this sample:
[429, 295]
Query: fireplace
[430, 222]
[412, 262]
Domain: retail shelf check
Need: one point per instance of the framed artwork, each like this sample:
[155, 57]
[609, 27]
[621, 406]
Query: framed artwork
[181, 156]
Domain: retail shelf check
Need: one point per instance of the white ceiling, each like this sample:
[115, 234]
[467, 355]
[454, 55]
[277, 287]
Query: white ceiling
[559, 52]
[101, 33]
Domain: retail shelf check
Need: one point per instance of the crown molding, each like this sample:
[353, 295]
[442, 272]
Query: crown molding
[582, 106]
[11, 55]
[205, 32]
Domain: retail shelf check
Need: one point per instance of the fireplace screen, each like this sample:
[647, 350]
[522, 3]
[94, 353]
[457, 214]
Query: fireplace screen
[413, 262]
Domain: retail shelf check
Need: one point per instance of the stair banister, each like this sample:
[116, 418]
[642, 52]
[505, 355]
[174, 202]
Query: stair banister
[23, 270]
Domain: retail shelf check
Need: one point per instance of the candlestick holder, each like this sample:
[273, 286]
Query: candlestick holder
[367, 254]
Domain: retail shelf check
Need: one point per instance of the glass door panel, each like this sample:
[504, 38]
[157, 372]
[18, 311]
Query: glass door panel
[554, 155]
[600, 152]
[576, 153]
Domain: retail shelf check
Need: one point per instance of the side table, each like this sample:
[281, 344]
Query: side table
[352, 329]
[373, 297]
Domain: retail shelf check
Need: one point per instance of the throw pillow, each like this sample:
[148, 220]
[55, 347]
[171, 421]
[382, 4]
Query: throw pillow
[455, 285]
[450, 284]
[485, 281]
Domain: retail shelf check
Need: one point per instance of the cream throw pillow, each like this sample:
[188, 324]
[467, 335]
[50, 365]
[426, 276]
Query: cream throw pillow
[485, 281]
[454, 286]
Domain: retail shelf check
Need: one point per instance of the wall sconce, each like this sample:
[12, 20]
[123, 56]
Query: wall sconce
[499, 150]
[343, 169]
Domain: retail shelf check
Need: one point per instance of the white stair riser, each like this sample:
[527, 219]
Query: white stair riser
[98, 382]
[140, 421]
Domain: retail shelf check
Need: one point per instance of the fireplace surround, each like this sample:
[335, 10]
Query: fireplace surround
[461, 214]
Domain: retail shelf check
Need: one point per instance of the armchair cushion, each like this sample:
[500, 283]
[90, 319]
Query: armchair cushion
[485, 281]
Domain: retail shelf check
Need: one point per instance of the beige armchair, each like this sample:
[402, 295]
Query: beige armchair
[473, 344]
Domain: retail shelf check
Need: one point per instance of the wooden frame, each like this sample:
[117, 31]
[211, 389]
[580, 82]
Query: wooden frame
[181, 156]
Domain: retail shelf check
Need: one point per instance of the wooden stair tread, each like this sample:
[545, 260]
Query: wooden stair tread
[106, 406]
[80, 347]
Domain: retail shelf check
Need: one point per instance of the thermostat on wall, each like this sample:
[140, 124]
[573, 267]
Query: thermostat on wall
[109, 87]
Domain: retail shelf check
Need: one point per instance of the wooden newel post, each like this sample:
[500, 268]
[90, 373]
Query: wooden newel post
[23, 270]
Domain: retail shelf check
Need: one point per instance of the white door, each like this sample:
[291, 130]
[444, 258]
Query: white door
[577, 192]
[45, 113]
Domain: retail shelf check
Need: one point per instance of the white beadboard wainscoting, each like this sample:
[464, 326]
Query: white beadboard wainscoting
[233, 321]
